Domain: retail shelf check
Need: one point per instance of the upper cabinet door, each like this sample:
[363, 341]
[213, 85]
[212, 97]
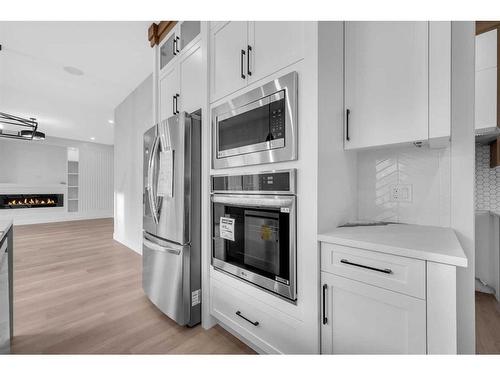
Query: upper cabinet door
[386, 83]
[228, 68]
[169, 92]
[272, 46]
[168, 50]
[189, 31]
[191, 78]
[486, 80]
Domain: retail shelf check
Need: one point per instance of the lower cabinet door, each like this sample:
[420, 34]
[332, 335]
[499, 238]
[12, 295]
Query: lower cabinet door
[358, 318]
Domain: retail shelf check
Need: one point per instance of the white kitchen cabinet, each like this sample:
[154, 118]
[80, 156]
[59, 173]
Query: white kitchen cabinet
[168, 50]
[397, 83]
[179, 38]
[180, 88]
[389, 289]
[274, 45]
[245, 52]
[229, 44]
[191, 77]
[169, 91]
[364, 319]
[486, 94]
[386, 83]
[271, 330]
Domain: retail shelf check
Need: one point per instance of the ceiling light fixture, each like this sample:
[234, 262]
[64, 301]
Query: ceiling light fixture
[35, 135]
[111, 122]
[12, 122]
[74, 71]
[92, 138]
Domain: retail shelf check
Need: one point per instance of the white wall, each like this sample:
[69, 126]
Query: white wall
[46, 171]
[426, 170]
[132, 118]
[31, 162]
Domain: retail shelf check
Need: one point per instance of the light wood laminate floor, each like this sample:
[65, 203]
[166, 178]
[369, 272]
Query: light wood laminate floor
[487, 324]
[76, 291]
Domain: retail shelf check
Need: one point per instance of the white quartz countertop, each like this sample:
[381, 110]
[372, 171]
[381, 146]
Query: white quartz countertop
[434, 244]
[5, 225]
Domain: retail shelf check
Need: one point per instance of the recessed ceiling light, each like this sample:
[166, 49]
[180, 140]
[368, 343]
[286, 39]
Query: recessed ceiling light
[73, 70]
[92, 138]
[111, 122]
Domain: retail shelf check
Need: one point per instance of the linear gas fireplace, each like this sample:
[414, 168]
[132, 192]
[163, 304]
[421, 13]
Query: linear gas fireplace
[10, 201]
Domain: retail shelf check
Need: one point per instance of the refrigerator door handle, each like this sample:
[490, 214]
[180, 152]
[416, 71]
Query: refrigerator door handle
[151, 195]
[154, 246]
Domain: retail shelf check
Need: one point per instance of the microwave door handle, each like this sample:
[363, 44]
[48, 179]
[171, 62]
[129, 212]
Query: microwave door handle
[151, 195]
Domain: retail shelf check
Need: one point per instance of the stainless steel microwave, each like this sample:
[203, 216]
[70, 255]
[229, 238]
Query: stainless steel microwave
[257, 127]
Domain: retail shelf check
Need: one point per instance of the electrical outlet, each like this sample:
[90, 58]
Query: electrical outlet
[401, 193]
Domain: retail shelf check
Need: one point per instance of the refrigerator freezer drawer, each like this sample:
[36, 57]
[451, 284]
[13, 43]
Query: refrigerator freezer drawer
[165, 280]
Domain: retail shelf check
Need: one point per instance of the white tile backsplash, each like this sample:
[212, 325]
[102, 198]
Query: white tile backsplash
[487, 179]
[427, 170]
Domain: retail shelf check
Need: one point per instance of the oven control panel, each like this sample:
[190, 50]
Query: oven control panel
[265, 182]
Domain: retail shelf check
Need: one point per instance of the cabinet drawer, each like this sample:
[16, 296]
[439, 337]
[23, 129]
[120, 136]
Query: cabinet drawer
[266, 327]
[399, 274]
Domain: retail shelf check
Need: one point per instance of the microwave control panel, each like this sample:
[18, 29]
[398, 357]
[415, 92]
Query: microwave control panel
[277, 119]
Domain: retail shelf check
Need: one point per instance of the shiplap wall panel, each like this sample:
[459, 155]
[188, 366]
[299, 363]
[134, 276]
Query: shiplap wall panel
[96, 178]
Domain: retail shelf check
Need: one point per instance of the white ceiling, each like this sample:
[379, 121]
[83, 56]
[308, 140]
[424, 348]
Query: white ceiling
[114, 56]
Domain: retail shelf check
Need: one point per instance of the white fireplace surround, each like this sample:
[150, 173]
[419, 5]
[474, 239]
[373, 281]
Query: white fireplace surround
[22, 216]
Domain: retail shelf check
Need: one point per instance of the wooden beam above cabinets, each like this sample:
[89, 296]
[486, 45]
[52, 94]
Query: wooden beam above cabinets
[484, 26]
[158, 31]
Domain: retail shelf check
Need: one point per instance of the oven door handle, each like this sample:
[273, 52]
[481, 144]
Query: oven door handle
[271, 201]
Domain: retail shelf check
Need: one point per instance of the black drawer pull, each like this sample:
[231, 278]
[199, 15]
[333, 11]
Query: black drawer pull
[173, 105]
[177, 44]
[347, 113]
[325, 319]
[242, 62]
[383, 270]
[249, 49]
[248, 320]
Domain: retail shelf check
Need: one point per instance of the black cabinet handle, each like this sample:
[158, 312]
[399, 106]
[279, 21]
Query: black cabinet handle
[177, 44]
[174, 42]
[173, 105]
[242, 62]
[177, 103]
[383, 270]
[325, 319]
[249, 49]
[347, 113]
[248, 320]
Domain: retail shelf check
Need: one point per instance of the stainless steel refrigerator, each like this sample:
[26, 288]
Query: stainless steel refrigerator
[172, 217]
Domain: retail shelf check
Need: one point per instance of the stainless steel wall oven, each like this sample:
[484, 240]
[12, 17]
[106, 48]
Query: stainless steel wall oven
[257, 127]
[254, 229]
